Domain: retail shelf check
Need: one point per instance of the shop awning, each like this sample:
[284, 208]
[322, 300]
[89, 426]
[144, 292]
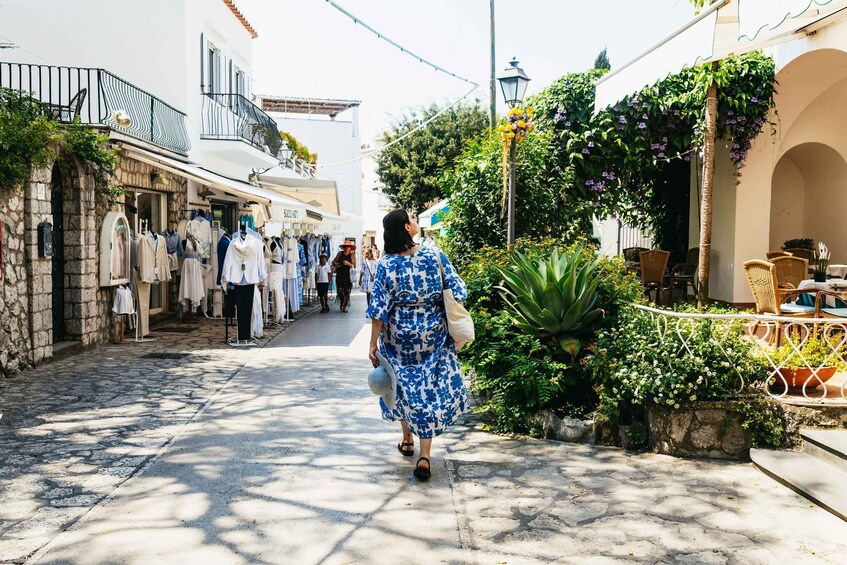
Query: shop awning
[195, 172]
[724, 28]
[430, 218]
[321, 194]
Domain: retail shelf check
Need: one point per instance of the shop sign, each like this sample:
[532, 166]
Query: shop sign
[290, 214]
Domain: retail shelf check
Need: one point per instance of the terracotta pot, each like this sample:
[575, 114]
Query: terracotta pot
[796, 377]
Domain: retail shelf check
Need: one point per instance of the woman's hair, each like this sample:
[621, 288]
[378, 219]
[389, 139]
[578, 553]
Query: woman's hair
[397, 239]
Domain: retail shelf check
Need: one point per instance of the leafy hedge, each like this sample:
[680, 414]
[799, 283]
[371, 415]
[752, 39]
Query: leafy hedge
[516, 374]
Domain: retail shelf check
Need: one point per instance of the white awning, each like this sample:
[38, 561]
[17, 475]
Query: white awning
[322, 194]
[724, 28]
[195, 172]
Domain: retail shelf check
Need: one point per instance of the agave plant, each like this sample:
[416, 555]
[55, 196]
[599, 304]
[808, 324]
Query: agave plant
[553, 297]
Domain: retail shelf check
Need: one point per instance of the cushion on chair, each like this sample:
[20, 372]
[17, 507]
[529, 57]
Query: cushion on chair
[840, 312]
[805, 300]
[796, 309]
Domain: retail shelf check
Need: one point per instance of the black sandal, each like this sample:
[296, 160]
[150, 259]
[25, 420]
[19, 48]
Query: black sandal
[423, 473]
[406, 452]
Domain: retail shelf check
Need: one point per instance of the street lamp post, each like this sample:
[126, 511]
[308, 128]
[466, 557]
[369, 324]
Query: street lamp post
[513, 82]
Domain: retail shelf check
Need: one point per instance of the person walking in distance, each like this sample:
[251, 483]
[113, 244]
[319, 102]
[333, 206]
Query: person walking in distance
[323, 276]
[344, 261]
[409, 330]
[366, 276]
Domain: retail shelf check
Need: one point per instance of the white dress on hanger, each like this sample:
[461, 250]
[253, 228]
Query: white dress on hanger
[276, 282]
[192, 287]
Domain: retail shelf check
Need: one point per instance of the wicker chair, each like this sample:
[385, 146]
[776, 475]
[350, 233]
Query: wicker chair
[633, 254]
[790, 271]
[654, 263]
[807, 254]
[774, 254]
[684, 274]
[761, 276]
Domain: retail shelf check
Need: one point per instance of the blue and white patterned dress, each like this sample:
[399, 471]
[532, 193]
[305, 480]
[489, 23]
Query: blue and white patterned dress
[431, 394]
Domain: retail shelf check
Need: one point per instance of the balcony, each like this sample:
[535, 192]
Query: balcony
[233, 117]
[97, 97]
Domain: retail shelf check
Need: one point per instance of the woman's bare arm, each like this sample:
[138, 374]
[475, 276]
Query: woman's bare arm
[376, 329]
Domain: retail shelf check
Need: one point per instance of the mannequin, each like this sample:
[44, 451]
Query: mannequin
[276, 279]
[244, 268]
[174, 247]
[191, 287]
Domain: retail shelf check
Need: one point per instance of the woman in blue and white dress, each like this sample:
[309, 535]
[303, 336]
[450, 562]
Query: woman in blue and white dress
[409, 329]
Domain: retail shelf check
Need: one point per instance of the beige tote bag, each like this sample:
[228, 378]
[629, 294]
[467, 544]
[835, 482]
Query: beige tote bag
[459, 321]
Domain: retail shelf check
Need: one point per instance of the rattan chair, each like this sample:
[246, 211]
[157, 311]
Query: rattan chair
[761, 276]
[633, 254]
[684, 274]
[790, 271]
[807, 254]
[654, 263]
[774, 254]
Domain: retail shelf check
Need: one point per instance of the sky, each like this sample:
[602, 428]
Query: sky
[308, 48]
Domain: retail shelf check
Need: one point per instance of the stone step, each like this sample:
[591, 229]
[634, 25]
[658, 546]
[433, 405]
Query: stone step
[827, 445]
[808, 476]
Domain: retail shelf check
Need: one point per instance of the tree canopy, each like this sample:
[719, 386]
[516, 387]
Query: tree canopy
[602, 60]
[412, 171]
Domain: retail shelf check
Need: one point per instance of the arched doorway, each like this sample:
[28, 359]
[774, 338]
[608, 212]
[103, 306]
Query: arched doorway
[808, 198]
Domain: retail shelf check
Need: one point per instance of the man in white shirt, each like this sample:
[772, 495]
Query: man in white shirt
[323, 276]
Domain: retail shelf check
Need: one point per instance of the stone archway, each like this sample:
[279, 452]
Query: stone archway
[808, 198]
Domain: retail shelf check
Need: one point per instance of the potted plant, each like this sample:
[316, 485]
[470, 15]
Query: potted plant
[821, 262]
[799, 362]
[802, 243]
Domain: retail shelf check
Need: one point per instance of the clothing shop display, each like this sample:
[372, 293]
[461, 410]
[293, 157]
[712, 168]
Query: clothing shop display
[276, 281]
[291, 271]
[191, 284]
[223, 244]
[244, 267]
[142, 298]
[145, 258]
[247, 220]
[256, 323]
[244, 297]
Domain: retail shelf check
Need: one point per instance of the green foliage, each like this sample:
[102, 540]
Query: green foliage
[554, 296]
[29, 137]
[764, 423]
[602, 60]
[411, 171]
[817, 351]
[804, 243]
[617, 157]
[476, 217]
[517, 374]
[91, 146]
[300, 151]
[642, 361]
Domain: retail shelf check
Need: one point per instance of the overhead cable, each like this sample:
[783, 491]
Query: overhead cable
[382, 36]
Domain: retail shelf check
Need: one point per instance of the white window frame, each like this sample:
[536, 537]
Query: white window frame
[215, 76]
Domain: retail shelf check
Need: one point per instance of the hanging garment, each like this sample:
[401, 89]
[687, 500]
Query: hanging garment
[244, 262]
[223, 245]
[201, 229]
[244, 297]
[256, 324]
[291, 291]
[191, 287]
[292, 258]
[146, 258]
[212, 276]
[173, 242]
[162, 270]
[124, 303]
[276, 286]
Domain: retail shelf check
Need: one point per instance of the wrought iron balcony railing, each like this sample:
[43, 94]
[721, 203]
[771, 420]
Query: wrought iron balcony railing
[234, 117]
[98, 97]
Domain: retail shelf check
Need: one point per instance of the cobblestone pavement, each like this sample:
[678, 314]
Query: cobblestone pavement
[291, 464]
[73, 430]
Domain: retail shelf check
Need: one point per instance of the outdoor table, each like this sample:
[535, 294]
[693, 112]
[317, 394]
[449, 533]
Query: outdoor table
[839, 271]
[827, 289]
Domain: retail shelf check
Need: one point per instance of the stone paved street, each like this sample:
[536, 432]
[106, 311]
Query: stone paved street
[74, 429]
[291, 463]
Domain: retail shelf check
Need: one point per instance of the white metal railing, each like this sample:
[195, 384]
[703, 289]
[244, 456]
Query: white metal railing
[765, 332]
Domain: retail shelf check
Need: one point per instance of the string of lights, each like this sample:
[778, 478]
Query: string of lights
[382, 36]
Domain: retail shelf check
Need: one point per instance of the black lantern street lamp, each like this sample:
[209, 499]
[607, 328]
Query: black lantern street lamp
[513, 82]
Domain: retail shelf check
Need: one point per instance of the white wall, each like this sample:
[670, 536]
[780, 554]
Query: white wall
[334, 141]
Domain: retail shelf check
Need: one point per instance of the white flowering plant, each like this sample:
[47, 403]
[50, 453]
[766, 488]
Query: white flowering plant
[643, 361]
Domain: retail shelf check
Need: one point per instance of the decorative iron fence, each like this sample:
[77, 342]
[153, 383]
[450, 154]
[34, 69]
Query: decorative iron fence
[234, 117]
[799, 354]
[98, 97]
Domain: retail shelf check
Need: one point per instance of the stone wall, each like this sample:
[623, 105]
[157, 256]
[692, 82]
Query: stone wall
[699, 429]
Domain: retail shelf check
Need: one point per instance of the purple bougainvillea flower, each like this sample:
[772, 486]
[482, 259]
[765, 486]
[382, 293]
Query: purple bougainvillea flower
[642, 125]
[585, 151]
[622, 119]
[591, 144]
[754, 100]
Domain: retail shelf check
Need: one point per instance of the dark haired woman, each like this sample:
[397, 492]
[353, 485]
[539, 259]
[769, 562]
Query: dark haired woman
[344, 261]
[410, 330]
